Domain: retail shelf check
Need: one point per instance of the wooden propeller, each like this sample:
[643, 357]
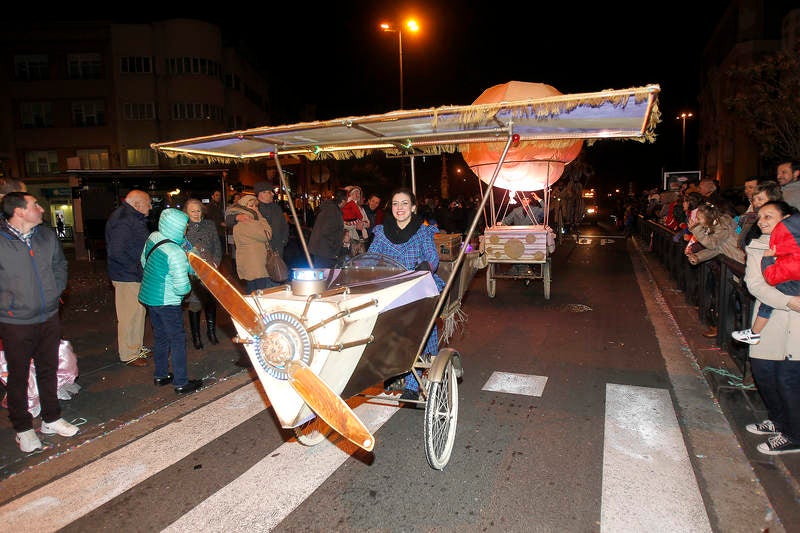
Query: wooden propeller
[315, 392]
[227, 295]
[328, 405]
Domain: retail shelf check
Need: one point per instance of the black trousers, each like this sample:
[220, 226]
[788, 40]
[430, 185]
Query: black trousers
[40, 342]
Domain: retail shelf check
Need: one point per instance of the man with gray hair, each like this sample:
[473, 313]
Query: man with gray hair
[126, 233]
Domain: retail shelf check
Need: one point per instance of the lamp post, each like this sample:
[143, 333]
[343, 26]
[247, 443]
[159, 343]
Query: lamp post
[682, 117]
[410, 25]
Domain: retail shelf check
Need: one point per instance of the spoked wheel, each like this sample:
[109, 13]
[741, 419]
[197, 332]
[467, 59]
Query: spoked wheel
[491, 283]
[546, 278]
[312, 432]
[441, 416]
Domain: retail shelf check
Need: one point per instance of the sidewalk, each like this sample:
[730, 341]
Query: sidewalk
[112, 394]
[740, 403]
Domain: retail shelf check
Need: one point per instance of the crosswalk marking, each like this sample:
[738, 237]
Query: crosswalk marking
[648, 480]
[288, 476]
[67, 499]
[511, 383]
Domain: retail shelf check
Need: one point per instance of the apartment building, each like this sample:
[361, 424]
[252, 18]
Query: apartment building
[748, 30]
[81, 102]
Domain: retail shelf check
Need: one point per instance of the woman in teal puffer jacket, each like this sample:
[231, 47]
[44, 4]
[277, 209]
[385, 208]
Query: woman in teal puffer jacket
[164, 284]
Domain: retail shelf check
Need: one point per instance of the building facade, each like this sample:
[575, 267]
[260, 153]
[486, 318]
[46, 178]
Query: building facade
[749, 30]
[93, 96]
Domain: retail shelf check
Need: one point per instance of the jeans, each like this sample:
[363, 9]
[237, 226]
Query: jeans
[23, 342]
[252, 285]
[778, 384]
[169, 342]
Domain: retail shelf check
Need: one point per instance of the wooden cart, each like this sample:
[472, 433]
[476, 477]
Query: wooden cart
[519, 253]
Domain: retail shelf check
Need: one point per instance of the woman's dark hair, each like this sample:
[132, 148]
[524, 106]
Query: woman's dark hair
[403, 190]
[694, 199]
[782, 207]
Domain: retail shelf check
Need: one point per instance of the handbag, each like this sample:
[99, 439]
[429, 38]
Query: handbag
[276, 266]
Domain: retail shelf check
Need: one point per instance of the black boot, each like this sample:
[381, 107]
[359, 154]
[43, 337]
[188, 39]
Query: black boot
[194, 323]
[211, 323]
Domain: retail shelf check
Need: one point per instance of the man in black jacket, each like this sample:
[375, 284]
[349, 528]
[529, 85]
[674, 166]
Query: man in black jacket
[33, 274]
[126, 233]
[325, 243]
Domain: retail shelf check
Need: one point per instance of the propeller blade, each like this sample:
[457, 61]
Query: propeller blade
[227, 295]
[328, 405]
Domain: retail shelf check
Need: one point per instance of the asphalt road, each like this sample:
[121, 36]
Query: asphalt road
[585, 412]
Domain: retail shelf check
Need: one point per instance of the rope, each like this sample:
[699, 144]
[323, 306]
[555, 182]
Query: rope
[733, 379]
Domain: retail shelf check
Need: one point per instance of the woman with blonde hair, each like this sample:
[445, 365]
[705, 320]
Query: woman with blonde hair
[251, 236]
[202, 234]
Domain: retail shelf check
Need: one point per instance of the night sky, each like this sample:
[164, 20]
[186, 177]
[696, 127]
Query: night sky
[330, 60]
[336, 61]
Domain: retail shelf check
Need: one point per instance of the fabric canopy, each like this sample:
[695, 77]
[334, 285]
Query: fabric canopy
[610, 114]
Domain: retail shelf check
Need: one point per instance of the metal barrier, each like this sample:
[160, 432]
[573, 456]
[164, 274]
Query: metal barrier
[715, 286]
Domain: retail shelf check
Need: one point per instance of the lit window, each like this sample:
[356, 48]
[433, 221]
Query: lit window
[136, 65]
[139, 111]
[142, 157]
[36, 114]
[93, 159]
[84, 66]
[40, 162]
[31, 67]
[89, 113]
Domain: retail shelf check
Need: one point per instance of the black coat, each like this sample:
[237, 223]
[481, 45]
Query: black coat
[327, 234]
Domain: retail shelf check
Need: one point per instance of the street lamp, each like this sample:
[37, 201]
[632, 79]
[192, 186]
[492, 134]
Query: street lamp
[410, 25]
[682, 117]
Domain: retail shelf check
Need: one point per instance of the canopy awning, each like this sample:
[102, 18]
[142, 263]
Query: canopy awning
[611, 114]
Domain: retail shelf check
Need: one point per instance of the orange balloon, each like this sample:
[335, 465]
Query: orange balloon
[530, 165]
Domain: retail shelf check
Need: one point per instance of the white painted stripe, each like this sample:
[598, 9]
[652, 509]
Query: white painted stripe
[511, 383]
[648, 480]
[67, 499]
[264, 495]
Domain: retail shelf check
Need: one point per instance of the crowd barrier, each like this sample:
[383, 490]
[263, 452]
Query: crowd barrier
[716, 287]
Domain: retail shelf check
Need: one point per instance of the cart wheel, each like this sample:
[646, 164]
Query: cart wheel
[491, 283]
[312, 432]
[546, 278]
[441, 416]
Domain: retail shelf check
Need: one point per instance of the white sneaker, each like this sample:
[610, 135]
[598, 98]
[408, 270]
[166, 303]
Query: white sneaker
[28, 441]
[746, 335]
[60, 426]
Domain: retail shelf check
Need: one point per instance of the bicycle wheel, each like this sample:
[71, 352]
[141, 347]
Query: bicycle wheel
[441, 417]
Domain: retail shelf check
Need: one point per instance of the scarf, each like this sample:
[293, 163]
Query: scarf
[397, 235]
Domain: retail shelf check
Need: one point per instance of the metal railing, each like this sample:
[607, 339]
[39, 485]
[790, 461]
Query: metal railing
[715, 286]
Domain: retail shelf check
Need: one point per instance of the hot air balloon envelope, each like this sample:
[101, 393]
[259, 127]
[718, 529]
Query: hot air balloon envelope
[529, 165]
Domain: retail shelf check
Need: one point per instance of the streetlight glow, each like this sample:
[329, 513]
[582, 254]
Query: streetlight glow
[682, 117]
[410, 25]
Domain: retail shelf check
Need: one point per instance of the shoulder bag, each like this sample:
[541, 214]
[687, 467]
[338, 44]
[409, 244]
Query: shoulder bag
[276, 266]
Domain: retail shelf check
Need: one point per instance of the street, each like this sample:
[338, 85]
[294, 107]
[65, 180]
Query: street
[585, 412]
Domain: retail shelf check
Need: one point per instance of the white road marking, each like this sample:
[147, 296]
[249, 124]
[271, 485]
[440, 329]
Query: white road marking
[262, 497]
[526, 384]
[66, 499]
[648, 480]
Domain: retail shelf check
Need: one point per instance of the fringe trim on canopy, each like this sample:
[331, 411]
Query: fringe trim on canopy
[452, 322]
